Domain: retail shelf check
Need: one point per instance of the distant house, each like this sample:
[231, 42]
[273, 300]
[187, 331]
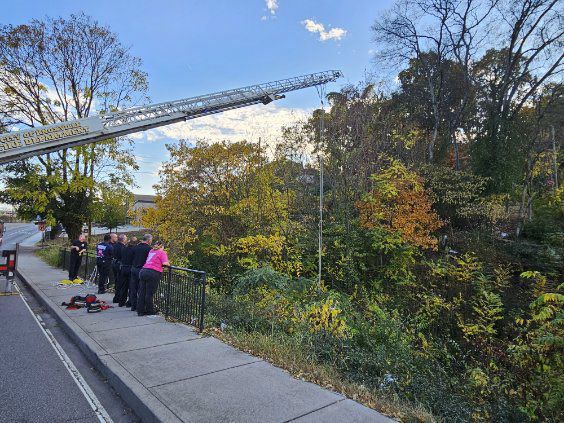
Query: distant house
[141, 203]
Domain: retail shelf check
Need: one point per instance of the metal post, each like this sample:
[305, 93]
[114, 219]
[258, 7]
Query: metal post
[203, 304]
[320, 217]
[86, 266]
[167, 295]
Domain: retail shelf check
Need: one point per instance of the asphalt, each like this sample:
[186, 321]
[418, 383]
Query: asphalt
[35, 382]
[167, 372]
[36, 386]
[18, 232]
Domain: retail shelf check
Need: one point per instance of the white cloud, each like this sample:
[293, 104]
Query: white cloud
[313, 26]
[317, 27]
[272, 5]
[248, 123]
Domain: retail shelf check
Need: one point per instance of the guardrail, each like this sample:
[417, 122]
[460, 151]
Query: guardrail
[181, 294]
[87, 264]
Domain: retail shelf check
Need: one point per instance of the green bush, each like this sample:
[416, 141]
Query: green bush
[547, 223]
[263, 276]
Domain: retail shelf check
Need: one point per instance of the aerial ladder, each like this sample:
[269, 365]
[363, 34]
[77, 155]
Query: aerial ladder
[26, 143]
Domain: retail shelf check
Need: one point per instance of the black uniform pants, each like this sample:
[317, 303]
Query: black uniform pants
[148, 284]
[134, 287]
[116, 265]
[104, 267]
[116, 270]
[123, 288]
[74, 265]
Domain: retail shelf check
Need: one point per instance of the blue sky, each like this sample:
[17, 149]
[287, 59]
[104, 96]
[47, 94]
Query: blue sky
[194, 47]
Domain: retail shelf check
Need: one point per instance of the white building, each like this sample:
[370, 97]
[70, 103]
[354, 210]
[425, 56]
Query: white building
[141, 203]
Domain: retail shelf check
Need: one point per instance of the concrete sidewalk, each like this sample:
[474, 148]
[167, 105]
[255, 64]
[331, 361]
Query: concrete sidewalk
[167, 372]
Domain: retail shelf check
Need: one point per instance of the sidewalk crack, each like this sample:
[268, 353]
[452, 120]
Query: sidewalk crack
[205, 374]
[155, 346]
[293, 419]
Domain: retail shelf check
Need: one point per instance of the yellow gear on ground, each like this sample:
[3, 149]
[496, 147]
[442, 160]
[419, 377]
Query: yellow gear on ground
[69, 282]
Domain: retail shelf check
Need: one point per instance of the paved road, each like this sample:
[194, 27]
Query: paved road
[44, 376]
[17, 232]
[36, 386]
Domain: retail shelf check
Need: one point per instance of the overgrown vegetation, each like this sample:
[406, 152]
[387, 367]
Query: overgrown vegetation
[441, 294]
[442, 234]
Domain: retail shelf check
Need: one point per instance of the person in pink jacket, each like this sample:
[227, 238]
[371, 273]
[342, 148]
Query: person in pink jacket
[149, 278]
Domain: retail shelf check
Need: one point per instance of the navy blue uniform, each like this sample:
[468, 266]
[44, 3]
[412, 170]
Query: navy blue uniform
[125, 274]
[104, 256]
[116, 268]
[140, 253]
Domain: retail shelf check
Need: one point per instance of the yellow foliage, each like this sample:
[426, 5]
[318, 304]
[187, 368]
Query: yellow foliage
[324, 317]
[259, 250]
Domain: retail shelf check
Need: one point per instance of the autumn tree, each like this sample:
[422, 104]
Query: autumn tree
[223, 204]
[400, 203]
[57, 70]
[425, 35]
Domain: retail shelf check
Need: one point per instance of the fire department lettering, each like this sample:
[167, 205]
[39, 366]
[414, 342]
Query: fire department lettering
[41, 135]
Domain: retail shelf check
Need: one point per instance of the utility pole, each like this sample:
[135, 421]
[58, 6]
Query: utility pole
[321, 93]
[320, 252]
[260, 184]
[555, 156]
[320, 215]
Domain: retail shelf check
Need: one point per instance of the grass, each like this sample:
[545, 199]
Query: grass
[50, 254]
[286, 352]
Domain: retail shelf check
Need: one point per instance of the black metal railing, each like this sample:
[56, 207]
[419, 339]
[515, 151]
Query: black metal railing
[181, 294]
[86, 265]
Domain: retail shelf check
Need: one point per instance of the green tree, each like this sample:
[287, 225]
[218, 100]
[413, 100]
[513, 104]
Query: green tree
[57, 70]
[233, 214]
[111, 206]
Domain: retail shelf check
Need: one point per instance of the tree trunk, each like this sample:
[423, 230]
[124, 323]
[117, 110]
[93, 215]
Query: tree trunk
[431, 150]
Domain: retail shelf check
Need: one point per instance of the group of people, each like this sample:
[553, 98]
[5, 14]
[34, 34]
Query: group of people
[137, 267]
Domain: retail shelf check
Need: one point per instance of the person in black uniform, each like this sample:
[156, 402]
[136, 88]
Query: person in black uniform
[113, 241]
[116, 264]
[77, 249]
[140, 253]
[126, 261]
[104, 255]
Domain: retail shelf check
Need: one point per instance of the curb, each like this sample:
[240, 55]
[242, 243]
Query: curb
[145, 405]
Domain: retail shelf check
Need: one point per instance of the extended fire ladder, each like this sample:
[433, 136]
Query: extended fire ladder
[36, 141]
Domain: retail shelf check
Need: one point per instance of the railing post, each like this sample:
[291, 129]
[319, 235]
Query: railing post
[167, 292]
[203, 305]
[86, 266]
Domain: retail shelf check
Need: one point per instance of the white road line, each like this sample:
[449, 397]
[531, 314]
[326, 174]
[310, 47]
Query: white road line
[91, 398]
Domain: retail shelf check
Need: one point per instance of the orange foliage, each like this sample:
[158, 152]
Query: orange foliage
[399, 202]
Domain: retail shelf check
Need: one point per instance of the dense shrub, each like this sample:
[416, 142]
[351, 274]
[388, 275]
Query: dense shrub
[264, 276]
